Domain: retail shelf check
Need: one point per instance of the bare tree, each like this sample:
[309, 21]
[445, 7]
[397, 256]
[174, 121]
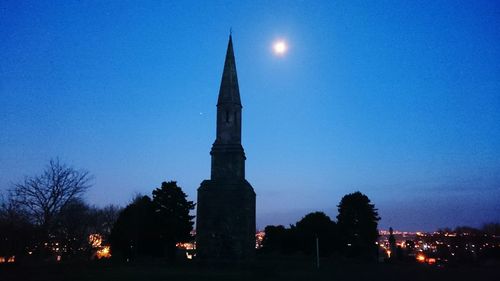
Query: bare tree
[45, 195]
[104, 218]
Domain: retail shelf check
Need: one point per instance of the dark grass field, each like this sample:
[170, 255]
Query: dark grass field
[263, 269]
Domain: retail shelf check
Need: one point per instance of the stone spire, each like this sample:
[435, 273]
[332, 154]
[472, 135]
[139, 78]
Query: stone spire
[225, 220]
[229, 91]
[228, 156]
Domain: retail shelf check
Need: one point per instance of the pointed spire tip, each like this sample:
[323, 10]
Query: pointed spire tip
[229, 90]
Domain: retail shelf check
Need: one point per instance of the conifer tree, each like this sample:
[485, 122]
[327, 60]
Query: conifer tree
[357, 223]
[174, 221]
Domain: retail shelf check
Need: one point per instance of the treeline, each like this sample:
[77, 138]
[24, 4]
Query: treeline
[487, 228]
[354, 234]
[467, 244]
[44, 217]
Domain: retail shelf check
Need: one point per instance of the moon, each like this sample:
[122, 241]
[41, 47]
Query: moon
[280, 47]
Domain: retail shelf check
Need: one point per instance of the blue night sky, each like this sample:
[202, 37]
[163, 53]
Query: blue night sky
[397, 99]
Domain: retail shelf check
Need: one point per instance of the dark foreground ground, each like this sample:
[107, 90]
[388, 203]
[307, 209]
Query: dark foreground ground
[263, 269]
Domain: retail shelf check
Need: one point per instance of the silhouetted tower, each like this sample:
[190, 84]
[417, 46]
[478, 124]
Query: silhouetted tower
[225, 225]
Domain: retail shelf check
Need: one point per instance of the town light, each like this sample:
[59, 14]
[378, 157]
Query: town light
[104, 252]
[420, 258]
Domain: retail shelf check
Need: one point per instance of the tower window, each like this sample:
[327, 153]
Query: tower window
[227, 116]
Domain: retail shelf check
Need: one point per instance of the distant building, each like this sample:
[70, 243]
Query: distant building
[225, 223]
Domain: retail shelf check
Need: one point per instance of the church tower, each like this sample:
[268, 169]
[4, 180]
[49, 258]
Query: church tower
[225, 225]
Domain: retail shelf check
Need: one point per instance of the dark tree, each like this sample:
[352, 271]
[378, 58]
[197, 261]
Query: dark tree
[103, 219]
[491, 229]
[76, 222]
[357, 222]
[279, 239]
[273, 238]
[16, 231]
[468, 230]
[44, 196]
[174, 221]
[316, 225]
[135, 231]
[72, 229]
[153, 227]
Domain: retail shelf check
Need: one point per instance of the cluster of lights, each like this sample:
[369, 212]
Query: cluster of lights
[10, 259]
[397, 232]
[259, 239]
[427, 245]
[95, 240]
[186, 246]
[421, 258]
[189, 247]
[102, 251]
